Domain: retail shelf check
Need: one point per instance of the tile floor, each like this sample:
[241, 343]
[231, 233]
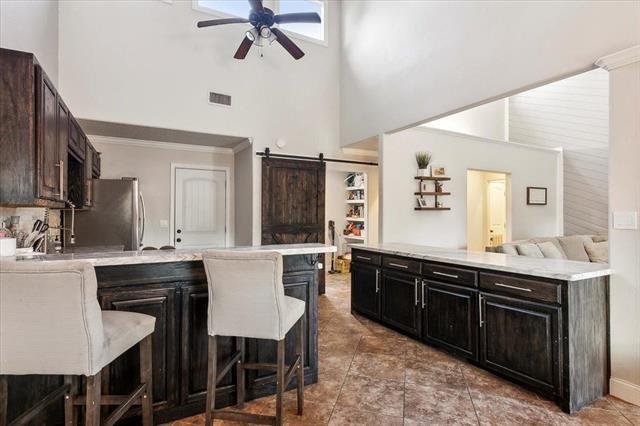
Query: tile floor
[370, 375]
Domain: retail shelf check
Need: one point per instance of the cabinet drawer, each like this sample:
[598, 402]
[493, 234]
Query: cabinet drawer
[448, 274]
[401, 264]
[530, 289]
[365, 257]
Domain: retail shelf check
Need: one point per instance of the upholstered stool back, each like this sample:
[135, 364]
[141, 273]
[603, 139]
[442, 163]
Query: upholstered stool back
[246, 294]
[50, 320]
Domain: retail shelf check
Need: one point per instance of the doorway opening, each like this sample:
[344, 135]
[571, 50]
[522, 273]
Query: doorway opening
[488, 212]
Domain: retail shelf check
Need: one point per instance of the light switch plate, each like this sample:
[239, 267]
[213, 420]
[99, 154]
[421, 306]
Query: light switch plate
[164, 224]
[625, 220]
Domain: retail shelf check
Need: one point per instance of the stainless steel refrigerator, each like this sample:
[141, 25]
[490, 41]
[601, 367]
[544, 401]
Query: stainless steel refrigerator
[115, 221]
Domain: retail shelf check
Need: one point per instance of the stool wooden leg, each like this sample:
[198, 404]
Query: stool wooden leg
[146, 376]
[240, 376]
[4, 400]
[94, 396]
[300, 372]
[279, 381]
[211, 380]
[70, 418]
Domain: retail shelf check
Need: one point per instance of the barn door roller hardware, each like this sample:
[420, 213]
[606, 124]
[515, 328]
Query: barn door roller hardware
[268, 154]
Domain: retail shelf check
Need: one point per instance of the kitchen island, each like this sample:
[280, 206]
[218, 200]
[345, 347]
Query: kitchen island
[542, 323]
[171, 285]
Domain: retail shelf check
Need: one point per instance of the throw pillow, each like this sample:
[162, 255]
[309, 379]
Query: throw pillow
[573, 247]
[598, 252]
[549, 250]
[507, 249]
[529, 250]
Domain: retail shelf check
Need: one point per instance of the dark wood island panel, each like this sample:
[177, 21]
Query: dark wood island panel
[175, 293]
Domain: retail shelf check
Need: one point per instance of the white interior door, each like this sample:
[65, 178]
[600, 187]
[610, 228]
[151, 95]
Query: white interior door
[200, 208]
[497, 206]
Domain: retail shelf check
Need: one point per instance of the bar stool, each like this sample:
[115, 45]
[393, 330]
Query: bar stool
[51, 323]
[246, 300]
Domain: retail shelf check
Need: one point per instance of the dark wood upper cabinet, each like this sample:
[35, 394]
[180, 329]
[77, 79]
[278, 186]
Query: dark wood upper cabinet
[401, 301]
[37, 132]
[449, 313]
[521, 339]
[50, 170]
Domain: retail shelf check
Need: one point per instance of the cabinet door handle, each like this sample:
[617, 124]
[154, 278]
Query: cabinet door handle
[363, 257]
[397, 265]
[415, 292]
[480, 310]
[60, 165]
[512, 287]
[445, 275]
[424, 300]
[377, 280]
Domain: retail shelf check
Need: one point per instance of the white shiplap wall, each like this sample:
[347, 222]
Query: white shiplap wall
[572, 114]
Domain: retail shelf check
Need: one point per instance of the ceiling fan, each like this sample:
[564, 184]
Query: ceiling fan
[263, 19]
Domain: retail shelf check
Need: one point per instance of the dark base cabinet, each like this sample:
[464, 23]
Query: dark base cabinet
[521, 339]
[176, 295]
[400, 302]
[548, 335]
[449, 316]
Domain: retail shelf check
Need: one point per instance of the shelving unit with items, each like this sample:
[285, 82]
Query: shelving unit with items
[355, 224]
[435, 191]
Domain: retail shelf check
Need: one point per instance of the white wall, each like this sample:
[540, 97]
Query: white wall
[573, 114]
[243, 200]
[405, 65]
[486, 121]
[528, 166]
[152, 167]
[624, 245]
[32, 26]
[146, 63]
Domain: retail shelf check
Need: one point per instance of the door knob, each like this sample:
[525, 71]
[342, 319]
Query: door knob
[179, 231]
[179, 240]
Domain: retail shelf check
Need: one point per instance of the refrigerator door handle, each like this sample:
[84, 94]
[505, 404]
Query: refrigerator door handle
[143, 217]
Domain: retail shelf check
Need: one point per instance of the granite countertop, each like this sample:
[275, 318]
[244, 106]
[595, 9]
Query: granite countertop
[161, 256]
[566, 270]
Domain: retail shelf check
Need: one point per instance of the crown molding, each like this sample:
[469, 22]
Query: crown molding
[160, 145]
[620, 59]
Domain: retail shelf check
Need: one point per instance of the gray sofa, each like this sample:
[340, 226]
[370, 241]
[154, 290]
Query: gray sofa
[583, 248]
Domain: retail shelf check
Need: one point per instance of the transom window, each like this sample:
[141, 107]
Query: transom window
[240, 8]
[224, 8]
[311, 32]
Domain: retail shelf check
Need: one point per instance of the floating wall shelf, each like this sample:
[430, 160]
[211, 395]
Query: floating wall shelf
[435, 194]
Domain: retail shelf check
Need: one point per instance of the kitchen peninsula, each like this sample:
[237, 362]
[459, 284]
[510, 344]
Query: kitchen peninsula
[171, 285]
[540, 322]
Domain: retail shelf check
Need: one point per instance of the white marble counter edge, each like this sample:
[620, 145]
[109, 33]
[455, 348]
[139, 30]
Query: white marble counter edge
[492, 266]
[149, 257]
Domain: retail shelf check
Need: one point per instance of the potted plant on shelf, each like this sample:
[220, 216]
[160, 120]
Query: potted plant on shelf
[423, 159]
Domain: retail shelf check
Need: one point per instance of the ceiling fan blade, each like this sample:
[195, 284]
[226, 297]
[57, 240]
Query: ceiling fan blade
[287, 18]
[256, 5]
[224, 21]
[242, 51]
[287, 44]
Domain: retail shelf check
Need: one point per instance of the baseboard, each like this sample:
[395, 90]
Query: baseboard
[624, 390]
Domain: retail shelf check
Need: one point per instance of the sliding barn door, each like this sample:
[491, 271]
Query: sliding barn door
[293, 203]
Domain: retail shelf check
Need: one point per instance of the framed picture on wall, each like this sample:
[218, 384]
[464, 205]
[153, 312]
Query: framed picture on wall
[536, 196]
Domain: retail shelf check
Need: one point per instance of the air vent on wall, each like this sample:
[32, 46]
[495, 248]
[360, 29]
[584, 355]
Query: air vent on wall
[219, 99]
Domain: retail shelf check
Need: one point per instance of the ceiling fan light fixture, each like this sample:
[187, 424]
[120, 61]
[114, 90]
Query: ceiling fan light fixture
[265, 32]
[252, 34]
